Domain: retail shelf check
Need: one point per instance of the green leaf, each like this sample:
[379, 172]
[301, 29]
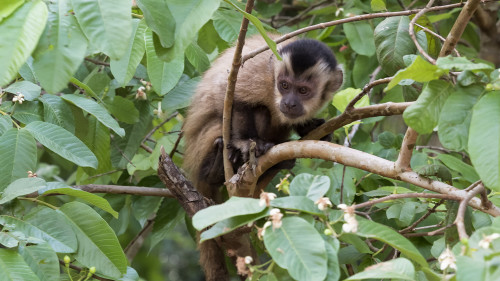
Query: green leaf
[420, 70]
[96, 110]
[13, 267]
[297, 247]
[28, 112]
[5, 125]
[168, 216]
[231, 224]
[453, 163]
[454, 120]
[235, 206]
[208, 37]
[123, 109]
[8, 7]
[18, 154]
[160, 19]
[97, 139]
[392, 42]
[43, 261]
[197, 57]
[461, 64]
[227, 24]
[343, 98]
[484, 139]
[98, 201]
[399, 268]
[164, 75]
[314, 187]
[21, 187]
[371, 229]
[332, 246]
[124, 68]
[360, 37]
[423, 115]
[180, 96]
[298, 203]
[30, 90]
[62, 143]
[97, 243]
[190, 16]
[61, 48]
[106, 23]
[46, 222]
[58, 112]
[19, 34]
[378, 5]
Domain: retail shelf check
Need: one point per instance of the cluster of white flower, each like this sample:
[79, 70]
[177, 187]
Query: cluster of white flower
[447, 260]
[323, 203]
[19, 98]
[351, 224]
[266, 198]
[486, 241]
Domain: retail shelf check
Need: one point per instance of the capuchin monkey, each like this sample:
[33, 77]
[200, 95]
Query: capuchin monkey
[271, 99]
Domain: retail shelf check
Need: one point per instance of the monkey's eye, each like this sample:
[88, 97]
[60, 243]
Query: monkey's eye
[303, 90]
[284, 85]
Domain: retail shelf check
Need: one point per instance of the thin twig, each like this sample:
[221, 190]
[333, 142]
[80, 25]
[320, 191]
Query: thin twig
[135, 244]
[117, 189]
[404, 157]
[80, 269]
[342, 21]
[431, 233]
[411, 30]
[406, 195]
[228, 99]
[98, 62]
[365, 90]
[174, 149]
[436, 35]
[302, 15]
[422, 218]
[459, 220]
[143, 142]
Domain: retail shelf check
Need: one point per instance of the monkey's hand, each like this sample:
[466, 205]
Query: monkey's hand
[307, 127]
[239, 150]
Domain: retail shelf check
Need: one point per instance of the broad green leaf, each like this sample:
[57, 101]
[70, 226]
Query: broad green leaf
[235, 206]
[190, 16]
[343, 98]
[297, 247]
[30, 90]
[298, 203]
[455, 116]
[420, 70]
[168, 216]
[314, 187]
[97, 110]
[46, 222]
[13, 267]
[362, 69]
[106, 23]
[7, 240]
[197, 57]
[123, 109]
[97, 243]
[61, 48]
[465, 169]
[123, 149]
[58, 112]
[160, 19]
[378, 5]
[423, 115]
[19, 34]
[164, 75]
[180, 96]
[43, 261]
[9, 6]
[484, 139]
[5, 124]
[28, 112]
[62, 143]
[21, 187]
[88, 197]
[399, 268]
[371, 229]
[360, 37]
[392, 42]
[97, 139]
[124, 68]
[231, 224]
[227, 24]
[355, 241]
[461, 64]
[131, 275]
[332, 246]
[208, 37]
[18, 155]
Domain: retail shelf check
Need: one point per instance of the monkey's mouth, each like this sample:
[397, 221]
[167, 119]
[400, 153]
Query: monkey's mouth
[291, 114]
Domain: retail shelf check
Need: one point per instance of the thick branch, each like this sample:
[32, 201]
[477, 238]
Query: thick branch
[459, 220]
[459, 27]
[231, 86]
[404, 157]
[357, 159]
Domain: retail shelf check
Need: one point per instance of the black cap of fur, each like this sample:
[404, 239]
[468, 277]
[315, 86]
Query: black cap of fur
[307, 52]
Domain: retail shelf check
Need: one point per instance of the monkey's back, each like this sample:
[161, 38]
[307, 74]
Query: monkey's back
[203, 124]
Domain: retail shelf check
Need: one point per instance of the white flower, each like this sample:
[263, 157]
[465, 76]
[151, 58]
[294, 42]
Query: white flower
[248, 259]
[351, 224]
[486, 241]
[276, 216]
[342, 206]
[262, 230]
[19, 98]
[447, 260]
[323, 203]
[266, 198]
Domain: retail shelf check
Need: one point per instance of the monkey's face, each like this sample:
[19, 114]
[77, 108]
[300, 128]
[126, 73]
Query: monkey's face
[294, 95]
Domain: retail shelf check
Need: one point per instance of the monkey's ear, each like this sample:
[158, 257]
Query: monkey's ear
[335, 80]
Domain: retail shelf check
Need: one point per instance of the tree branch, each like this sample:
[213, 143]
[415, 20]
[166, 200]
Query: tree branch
[411, 30]
[404, 157]
[459, 220]
[406, 195]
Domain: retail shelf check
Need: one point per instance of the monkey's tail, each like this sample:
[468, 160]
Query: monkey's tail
[213, 261]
